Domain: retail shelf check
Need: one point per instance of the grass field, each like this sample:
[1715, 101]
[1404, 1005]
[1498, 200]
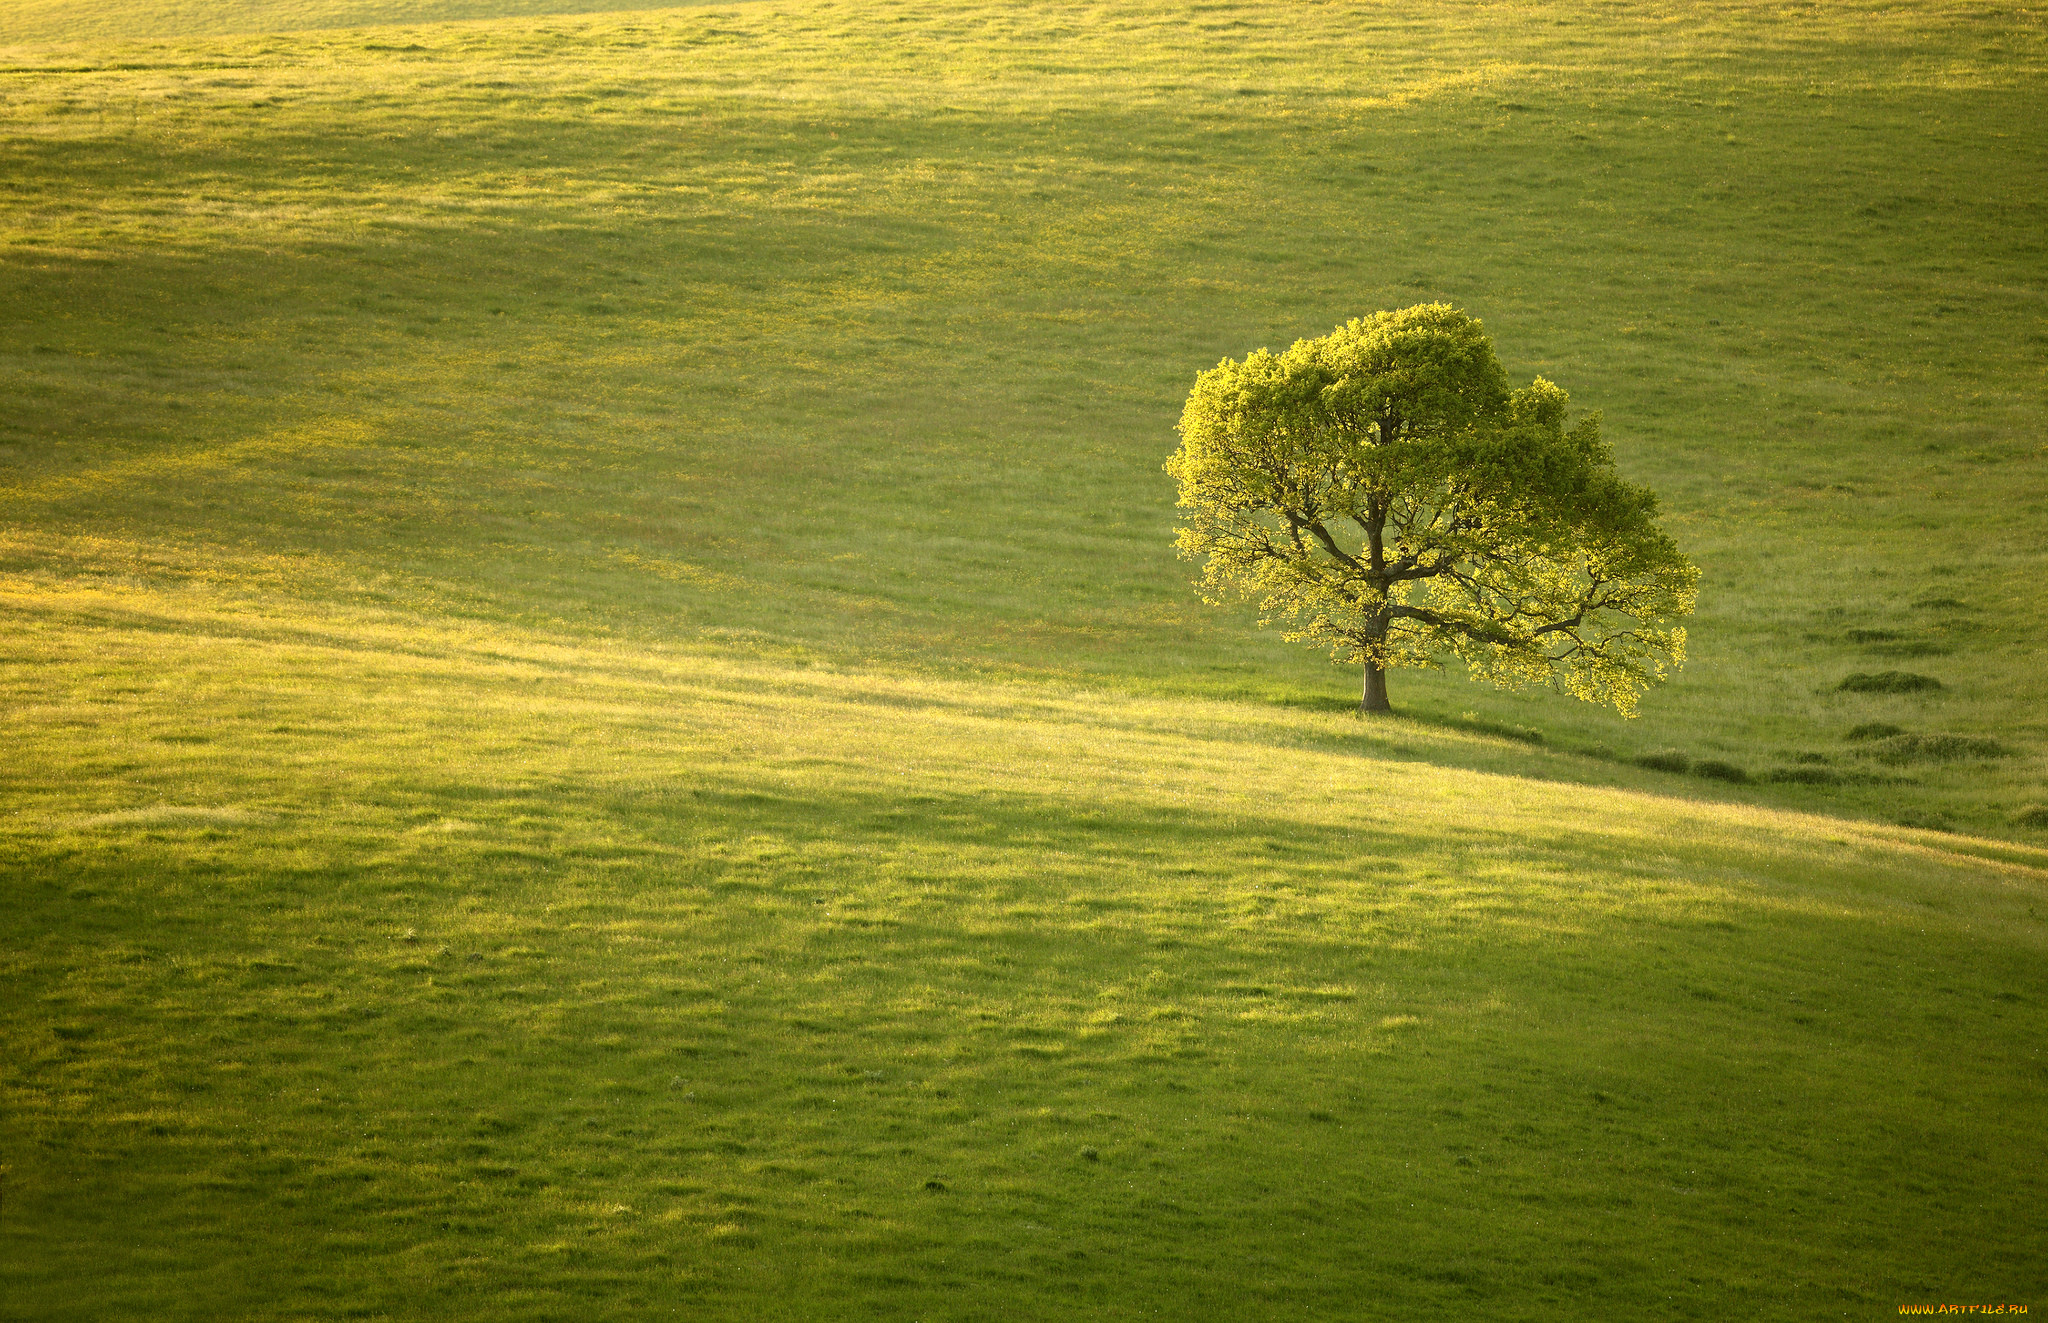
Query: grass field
[601, 719]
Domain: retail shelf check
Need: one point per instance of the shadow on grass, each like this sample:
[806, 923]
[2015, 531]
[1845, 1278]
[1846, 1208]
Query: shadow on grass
[1352, 1048]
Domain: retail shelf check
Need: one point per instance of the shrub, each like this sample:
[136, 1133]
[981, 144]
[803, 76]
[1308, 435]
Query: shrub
[1716, 770]
[1808, 775]
[1875, 730]
[1664, 760]
[1936, 748]
[1888, 682]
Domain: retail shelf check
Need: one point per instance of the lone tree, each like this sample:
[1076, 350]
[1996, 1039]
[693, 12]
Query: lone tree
[1383, 493]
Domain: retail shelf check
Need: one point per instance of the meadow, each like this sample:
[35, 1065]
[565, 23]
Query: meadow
[601, 719]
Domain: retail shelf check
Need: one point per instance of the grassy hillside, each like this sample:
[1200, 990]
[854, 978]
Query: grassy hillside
[844, 337]
[424, 972]
[40, 22]
[459, 971]
[602, 717]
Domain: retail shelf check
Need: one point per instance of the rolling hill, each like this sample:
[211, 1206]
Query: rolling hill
[602, 719]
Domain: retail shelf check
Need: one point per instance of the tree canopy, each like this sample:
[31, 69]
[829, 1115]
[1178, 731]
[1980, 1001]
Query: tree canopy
[1381, 491]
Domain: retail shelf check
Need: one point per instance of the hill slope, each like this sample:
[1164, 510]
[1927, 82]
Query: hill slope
[26, 22]
[437, 972]
[601, 716]
[818, 331]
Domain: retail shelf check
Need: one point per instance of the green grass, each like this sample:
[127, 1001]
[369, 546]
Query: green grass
[37, 22]
[646, 325]
[598, 700]
[427, 971]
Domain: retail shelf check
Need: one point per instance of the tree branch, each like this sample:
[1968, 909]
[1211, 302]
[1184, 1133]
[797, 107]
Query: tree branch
[1322, 535]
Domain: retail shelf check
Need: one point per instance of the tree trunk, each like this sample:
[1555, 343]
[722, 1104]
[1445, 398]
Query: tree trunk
[1375, 697]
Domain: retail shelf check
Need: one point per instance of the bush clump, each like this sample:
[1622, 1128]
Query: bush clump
[1888, 682]
[1936, 748]
[1875, 730]
[1805, 775]
[1664, 760]
[1716, 770]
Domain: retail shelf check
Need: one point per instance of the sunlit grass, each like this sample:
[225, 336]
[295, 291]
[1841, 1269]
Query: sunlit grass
[621, 976]
[649, 322]
[601, 720]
